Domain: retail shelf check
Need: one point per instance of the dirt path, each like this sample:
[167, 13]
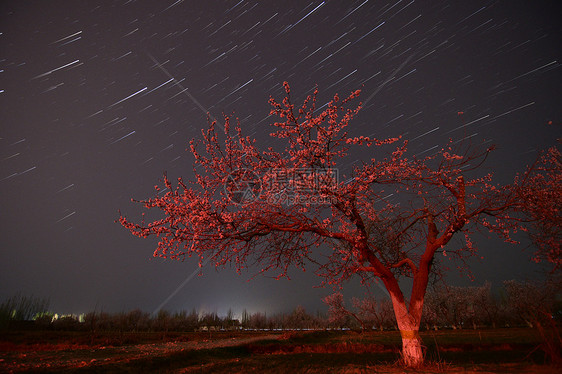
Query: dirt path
[13, 362]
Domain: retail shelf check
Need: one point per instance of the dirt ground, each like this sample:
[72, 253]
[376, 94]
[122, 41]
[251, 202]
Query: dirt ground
[257, 352]
[58, 359]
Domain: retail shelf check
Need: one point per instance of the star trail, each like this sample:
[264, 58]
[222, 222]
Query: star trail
[100, 98]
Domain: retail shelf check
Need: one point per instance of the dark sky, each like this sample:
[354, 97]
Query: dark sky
[89, 120]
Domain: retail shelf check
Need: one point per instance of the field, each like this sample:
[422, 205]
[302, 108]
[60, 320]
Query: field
[450, 351]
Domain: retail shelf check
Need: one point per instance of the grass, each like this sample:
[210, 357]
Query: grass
[450, 351]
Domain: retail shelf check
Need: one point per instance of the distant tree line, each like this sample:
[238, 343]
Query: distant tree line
[183, 321]
[515, 304]
[22, 308]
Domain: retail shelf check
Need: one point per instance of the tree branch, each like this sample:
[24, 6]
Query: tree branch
[406, 261]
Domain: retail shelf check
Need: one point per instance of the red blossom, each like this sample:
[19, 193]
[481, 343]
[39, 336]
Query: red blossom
[540, 194]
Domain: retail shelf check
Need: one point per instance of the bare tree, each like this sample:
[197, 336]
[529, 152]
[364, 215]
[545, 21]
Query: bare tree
[338, 313]
[486, 306]
[375, 313]
[535, 304]
[447, 306]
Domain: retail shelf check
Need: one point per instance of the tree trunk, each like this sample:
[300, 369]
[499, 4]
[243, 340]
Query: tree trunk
[412, 353]
[409, 330]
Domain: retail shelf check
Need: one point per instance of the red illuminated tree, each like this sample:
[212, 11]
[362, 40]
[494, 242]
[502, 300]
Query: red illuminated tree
[540, 195]
[298, 203]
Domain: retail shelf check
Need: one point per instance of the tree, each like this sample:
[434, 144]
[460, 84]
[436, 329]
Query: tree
[245, 322]
[458, 307]
[486, 306]
[536, 304]
[368, 312]
[295, 203]
[540, 193]
[300, 319]
[257, 321]
[338, 313]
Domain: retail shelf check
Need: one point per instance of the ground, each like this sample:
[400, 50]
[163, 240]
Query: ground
[448, 351]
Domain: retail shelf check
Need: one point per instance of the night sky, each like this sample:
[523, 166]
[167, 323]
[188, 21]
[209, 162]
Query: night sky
[99, 98]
